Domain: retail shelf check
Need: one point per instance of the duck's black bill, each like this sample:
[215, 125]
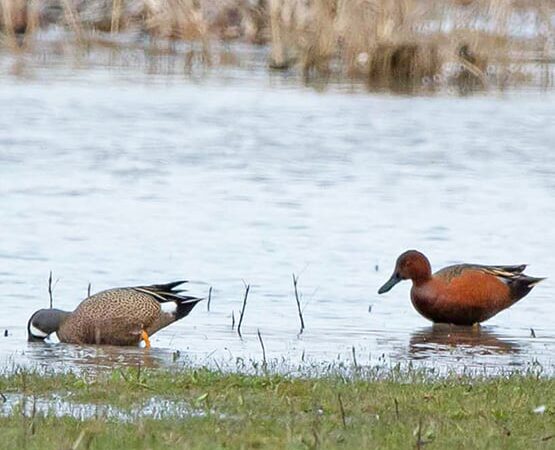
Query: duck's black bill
[390, 283]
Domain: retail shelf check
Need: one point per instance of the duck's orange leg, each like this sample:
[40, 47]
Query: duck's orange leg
[144, 337]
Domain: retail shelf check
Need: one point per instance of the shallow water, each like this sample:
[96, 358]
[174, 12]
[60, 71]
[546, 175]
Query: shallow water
[120, 177]
[156, 408]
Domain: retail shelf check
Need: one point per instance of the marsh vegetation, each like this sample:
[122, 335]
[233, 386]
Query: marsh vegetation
[386, 44]
[209, 409]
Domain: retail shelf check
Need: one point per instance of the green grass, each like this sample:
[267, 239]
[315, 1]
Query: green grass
[275, 411]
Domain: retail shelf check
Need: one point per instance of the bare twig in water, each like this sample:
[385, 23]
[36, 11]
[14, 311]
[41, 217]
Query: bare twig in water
[209, 299]
[355, 357]
[295, 280]
[342, 410]
[532, 333]
[89, 290]
[264, 365]
[247, 289]
[3, 397]
[232, 320]
[50, 289]
[5, 333]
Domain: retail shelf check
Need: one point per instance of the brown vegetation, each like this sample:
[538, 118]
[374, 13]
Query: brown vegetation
[386, 42]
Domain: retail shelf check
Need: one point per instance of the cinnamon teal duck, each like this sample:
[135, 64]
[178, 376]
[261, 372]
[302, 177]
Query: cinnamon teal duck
[463, 294]
[120, 316]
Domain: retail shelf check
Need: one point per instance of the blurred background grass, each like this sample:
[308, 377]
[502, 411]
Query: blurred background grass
[387, 44]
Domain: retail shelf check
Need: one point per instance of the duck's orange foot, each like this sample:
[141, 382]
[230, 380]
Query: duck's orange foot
[144, 337]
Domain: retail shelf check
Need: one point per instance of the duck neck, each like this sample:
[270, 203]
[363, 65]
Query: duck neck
[62, 316]
[421, 280]
[422, 273]
[54, 318]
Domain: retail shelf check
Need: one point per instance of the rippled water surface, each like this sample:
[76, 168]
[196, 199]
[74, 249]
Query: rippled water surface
[118, 178]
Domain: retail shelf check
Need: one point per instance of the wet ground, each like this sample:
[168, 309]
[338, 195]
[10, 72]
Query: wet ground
[156, 408]
[116, 176]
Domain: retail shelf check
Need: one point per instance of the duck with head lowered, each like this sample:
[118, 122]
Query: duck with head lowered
[463, 294]
[120, 316]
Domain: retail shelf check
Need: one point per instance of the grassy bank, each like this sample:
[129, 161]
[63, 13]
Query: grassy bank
[244, 411]
[391, 44]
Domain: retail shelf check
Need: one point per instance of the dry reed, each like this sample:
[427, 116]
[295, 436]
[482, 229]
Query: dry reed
[50, 290]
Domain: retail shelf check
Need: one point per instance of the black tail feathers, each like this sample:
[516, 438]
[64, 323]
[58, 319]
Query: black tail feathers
[522, 284]
[167, 293]
[184, 308]
[531, 281]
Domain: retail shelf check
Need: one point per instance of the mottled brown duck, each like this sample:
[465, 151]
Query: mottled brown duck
[120, 316]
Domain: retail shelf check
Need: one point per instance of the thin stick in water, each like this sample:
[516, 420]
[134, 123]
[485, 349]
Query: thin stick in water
[264, 365]
[355, 357]
[50, 289]
[232, 320]
[295, 280]
[247, 289]
[209, 299]
[89, 290]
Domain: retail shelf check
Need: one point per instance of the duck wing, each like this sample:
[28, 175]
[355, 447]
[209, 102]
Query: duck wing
[164, 293]
[518, 282]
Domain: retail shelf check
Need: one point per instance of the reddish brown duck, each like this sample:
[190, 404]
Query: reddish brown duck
[462, 294]
[120, 316]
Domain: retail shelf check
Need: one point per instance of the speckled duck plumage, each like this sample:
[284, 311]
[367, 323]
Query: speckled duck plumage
[117, 316]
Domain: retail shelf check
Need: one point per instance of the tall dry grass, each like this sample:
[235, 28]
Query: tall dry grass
[385, 42]
[407, 41]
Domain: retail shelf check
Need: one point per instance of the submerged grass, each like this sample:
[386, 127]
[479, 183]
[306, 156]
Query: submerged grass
[277, 411]
[391, 44]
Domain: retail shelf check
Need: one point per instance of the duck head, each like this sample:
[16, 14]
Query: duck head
[44, 322]
[411, 265]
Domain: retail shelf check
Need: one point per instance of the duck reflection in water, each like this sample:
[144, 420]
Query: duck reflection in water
[98, 356]
[449, 338]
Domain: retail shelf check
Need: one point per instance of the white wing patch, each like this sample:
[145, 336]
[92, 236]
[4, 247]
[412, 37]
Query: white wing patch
[36, 332]
[169, 307]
